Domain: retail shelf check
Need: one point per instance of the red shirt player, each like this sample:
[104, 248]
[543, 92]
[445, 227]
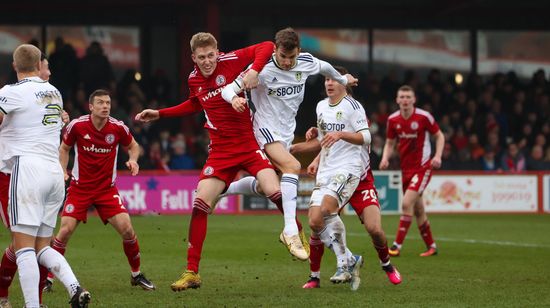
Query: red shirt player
[96, 138]
[233, 145]
[413, 127]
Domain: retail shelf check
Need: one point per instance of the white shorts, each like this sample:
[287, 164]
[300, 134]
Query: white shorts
[42, 231]
[339, 186]
[36, 192]
[266, 134]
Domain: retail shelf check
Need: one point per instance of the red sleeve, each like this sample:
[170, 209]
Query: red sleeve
[69, 134]
[259, 53]
[125, 135]
[188, 107]
[390, 132]
[433, 127]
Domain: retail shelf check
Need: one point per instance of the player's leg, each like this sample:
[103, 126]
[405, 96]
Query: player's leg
[424, 228]
[269, 183]
[59, 243]
[123, 225]
[208, 191]
[373, 224]
[290, 168]
[8, 265]
[332, 233]
[58, 265]
[409, 199]
[316, 223]
[23, 244]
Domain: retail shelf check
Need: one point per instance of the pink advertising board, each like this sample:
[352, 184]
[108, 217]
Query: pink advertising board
[165, 194]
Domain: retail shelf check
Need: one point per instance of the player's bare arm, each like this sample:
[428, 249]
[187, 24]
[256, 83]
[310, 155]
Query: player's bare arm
[64, 117]
[439, 144]
[133, 153]
[147, 115]
[238, 103]
[314, 166]
[312, 145]
[387, 153]
[64, 150]
[352, 81]
[250, 79]
[331, 138]
[312, 133]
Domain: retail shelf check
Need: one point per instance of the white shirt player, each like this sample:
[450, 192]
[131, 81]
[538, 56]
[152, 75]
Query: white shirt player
[278, 96]
[342, 157]
[32, 120]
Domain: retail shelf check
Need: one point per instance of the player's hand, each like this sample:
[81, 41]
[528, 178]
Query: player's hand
[330, 139]
[238, 103]
[66, 176]
[436, 162]
[312, 168]
[352, 81]
[312, 133]
[147, 115]
[384, 164]
[133, 167]
[65, 117]
[250, 80]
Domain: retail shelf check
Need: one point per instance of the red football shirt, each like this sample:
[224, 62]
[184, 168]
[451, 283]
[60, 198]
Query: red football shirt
[414, 140]
[95, 151]
[230, 130]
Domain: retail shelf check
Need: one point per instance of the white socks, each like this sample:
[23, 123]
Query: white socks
[29, 275]
[56, 264]
[245, 186]
[289, 192]
[334, 237]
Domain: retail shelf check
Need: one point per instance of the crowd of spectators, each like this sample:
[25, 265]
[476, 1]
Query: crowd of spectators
[496, 123]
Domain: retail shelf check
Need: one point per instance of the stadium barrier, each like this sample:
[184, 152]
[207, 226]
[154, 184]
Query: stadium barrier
[448, 192]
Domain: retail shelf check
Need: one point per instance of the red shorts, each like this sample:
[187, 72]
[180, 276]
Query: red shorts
[108, 203]
[417, 180]
[365, 195]
[4, 189]
[226, 165]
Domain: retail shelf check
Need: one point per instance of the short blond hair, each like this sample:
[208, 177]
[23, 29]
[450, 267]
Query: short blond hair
[203, 39]
[26, 58]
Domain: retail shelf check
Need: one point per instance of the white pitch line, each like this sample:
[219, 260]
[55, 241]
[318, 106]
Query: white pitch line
[469, 241]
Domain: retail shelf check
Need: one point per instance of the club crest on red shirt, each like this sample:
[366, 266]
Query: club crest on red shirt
[208, 170]
[414, 125]
[69, 208]
[220, 80]
[110, 138]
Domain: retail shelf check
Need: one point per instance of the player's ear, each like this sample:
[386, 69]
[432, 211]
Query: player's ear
[90, 105]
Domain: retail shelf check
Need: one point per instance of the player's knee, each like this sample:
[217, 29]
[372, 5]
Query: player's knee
[316, 223]
[127, 233]
[375, 232]
[65, 233]
[293, 167]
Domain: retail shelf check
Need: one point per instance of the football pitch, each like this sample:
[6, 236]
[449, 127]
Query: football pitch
[483, 261]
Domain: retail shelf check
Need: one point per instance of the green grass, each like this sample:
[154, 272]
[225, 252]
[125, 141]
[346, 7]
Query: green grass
[484, 261]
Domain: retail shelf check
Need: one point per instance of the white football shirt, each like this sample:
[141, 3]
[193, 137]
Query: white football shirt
[32, 120]
[342, 157]
[279, 94]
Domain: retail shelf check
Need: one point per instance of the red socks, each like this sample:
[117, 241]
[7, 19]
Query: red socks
[426, 234]
[197, 234]
[131, 249]
[8, 267]
[404, 224]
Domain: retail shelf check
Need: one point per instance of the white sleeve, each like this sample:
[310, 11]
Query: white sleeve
[232, 90]
[360, 124]
[327, 70]
[8, 102]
